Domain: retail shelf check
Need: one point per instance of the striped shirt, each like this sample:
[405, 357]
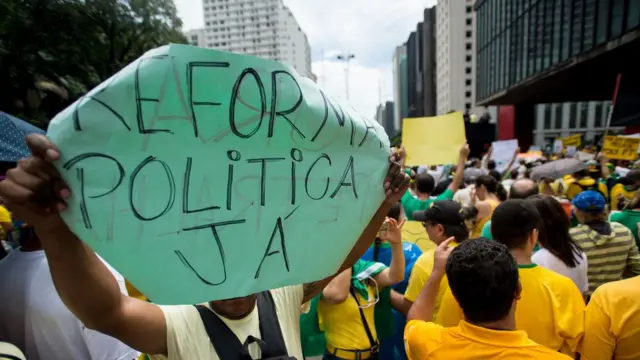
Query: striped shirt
[608, 255]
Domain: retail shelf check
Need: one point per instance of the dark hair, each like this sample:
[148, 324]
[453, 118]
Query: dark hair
[554, 232]
[496, 175]
[518, 191]
[483, 278]
[425, 183]
[492, 185]
[459, 232]
[469, 212]
[393, 213]
[513, 174]
[513, 221]
[491, 165]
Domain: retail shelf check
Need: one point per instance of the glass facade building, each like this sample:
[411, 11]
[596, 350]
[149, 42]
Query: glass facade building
[518, 39]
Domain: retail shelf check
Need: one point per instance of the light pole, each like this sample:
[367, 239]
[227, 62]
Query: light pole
[346, 58]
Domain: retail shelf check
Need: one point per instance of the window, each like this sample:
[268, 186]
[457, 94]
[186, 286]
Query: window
[467, 70]
[468, 34]
[584, 114]
[469, 20]
[599, 118]
[468, 46]
[467, 82]
[468, 58]
[547, 116]
[601, 21]
[469, 9]
[467, 106]
[467, 94]
[573, 116]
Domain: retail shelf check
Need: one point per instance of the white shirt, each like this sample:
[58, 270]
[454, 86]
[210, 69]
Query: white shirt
[33, 317]
[578, 274]
[187, 338]
[463, 196]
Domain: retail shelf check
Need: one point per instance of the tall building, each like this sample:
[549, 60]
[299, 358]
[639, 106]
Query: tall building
[400, 84]
[196, 37]
[264, 28]
[413, 82]
[388, 121]
[429, 63]
[455, 48]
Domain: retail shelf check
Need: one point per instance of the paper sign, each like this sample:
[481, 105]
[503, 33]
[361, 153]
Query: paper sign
[503, 152]
[571, 150]
[202, 175]
[636, 135]
[620, 148]
[557, 146]
[414, 231]
[585, 156]
[573, 140]
[433, 140]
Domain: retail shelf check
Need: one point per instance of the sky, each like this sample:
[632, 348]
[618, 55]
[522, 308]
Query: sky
[368, 29]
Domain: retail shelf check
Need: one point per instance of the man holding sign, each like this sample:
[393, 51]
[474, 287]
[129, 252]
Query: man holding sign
[36, 193]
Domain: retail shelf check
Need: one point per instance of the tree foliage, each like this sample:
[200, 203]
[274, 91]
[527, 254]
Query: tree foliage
[53, 51]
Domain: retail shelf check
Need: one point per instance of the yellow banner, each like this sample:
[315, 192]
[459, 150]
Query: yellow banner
[620, 148]
[414, 231]
[573, 140]
[433, 140]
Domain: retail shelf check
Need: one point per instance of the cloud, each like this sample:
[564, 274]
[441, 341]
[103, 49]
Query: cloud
[369, 29]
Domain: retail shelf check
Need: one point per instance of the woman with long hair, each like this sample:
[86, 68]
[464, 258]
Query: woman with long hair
[559, 252]
[489, 193]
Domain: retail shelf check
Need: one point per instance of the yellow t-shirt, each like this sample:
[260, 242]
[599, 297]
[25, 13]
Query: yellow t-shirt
[343, 327]
[612, 323]
[551, 309]
[420, 273]
[187, 338]
[578, 186]
[619, 190]
[5, 217]
[477, 230]
[426, 340]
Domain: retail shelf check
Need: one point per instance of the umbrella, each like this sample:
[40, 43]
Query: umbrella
[557, 169]
[12, 137]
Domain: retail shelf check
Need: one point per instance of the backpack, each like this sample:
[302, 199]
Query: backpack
[226, 343]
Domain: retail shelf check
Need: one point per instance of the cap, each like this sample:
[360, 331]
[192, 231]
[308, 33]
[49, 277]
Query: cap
[589, 201]
[444, 212]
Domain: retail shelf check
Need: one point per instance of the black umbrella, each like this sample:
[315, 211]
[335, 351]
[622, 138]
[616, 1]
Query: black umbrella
[557, 169]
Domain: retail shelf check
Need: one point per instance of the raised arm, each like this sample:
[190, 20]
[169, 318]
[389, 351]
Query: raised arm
[459, 176]
[395, 272]
[35, 192]
[395, 184]
[337, 290]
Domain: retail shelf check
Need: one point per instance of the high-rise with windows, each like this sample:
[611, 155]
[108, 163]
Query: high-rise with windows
[264, 28]
[455, 60]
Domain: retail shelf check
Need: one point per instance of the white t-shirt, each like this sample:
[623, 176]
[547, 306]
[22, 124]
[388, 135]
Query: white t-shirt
[463, 196]
[33, 317]
[578, 274]
[187, 338]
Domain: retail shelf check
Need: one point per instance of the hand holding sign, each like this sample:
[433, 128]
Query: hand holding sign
[203, 175]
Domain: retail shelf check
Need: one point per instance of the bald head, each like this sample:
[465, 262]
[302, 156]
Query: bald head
[523, 189]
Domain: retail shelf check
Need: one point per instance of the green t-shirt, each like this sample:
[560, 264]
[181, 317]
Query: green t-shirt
[411, 204]
[629, 219]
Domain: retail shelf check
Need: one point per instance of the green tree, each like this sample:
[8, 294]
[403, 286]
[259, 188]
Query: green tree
[53, 51]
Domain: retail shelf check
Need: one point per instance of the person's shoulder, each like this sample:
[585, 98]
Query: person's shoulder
[421, 337]
[425, 261]
[288, 295]
[541, 352]
[557, 283]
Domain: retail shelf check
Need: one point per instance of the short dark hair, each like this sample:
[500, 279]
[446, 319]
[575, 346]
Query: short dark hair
[483, 277]
[523, 188]
[513, 221]
[492, 185]
[459, 232]
[491, 165]
[425, 183]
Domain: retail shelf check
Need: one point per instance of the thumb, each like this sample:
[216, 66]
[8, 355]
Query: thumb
[42, 147]
[445, 244]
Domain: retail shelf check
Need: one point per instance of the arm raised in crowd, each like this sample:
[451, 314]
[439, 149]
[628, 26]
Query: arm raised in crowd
[395, 185]
[459, 176]
[35, 192]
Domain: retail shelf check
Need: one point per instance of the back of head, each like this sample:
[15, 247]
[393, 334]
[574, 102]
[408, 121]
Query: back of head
[523, 188]
[491, 165]
[483, 277]
[513, 221]
[425, 183]
[492, 185]
[395, 212]
[554, 230]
